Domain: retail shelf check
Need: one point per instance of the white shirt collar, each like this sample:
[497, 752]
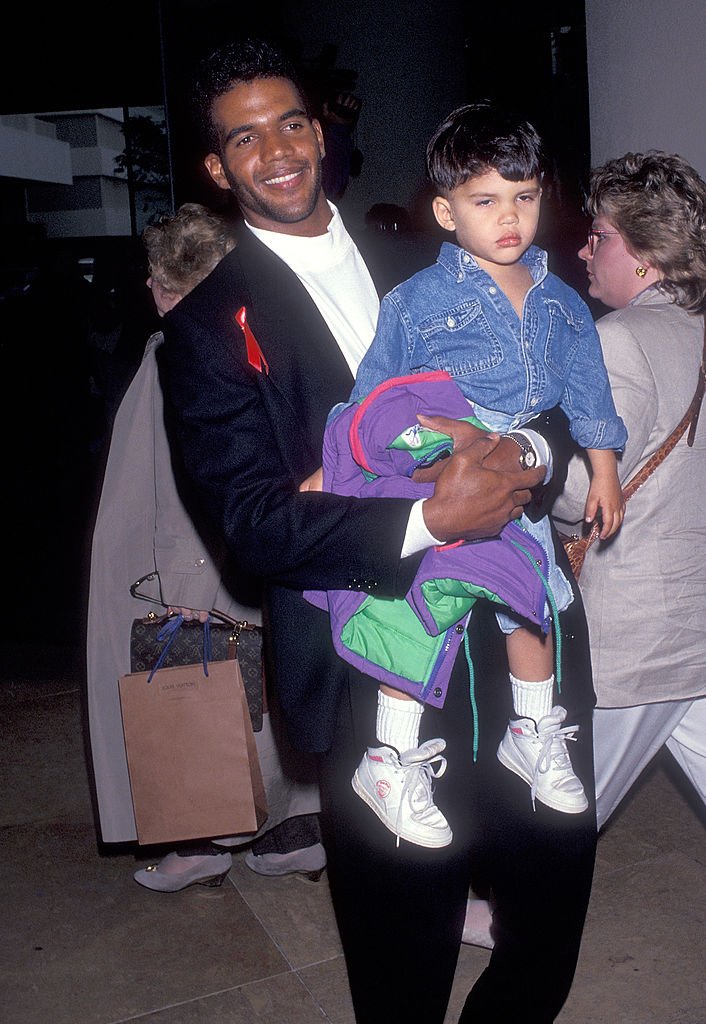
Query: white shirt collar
[303, 253]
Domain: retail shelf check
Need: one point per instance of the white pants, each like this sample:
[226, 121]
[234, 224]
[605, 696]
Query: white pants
[626, 739]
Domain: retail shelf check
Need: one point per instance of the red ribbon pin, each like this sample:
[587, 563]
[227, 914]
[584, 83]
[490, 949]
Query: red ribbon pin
[255, 354]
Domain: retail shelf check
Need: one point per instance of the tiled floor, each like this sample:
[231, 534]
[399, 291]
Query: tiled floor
[83, 944]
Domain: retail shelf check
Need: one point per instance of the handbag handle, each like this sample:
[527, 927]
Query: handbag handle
[173, 622]
[169, 631]
[238, 624]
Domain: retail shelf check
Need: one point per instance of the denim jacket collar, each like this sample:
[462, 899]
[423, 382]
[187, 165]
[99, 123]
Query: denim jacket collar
[459, 263]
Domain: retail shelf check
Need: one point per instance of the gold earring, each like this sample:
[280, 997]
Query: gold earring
[641, 271]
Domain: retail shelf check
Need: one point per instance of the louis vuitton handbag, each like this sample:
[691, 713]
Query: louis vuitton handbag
[191, 641]
[157, 638]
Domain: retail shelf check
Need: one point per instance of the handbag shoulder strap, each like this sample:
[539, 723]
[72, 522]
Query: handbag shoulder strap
[689, 419]
[698, 397]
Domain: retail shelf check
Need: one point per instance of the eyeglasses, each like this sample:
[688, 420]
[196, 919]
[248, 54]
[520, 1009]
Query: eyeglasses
[597, 236]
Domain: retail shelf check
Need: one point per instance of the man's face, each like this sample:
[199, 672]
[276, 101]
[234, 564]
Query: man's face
[270, 157]
[494, 219]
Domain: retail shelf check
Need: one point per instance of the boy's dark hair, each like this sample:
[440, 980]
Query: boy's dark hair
[478, 138]
[242, 60]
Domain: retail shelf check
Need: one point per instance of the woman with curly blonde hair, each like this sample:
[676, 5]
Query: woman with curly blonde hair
[145, 525]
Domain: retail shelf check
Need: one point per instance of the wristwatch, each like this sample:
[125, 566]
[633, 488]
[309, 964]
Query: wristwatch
[528, 456]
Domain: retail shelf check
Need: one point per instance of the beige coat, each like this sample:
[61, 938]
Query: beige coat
[142, 526]
[645, 590]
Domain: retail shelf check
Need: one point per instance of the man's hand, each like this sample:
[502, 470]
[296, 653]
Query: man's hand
[472, 500]
[461, 433]
[506, 456]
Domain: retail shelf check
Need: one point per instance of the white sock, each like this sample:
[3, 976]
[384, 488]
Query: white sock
[532, 700]
[398, 722]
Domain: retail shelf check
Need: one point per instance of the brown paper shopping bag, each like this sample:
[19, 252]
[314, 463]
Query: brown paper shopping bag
[192, 760]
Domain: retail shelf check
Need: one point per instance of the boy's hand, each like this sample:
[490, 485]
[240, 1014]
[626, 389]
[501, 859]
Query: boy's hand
[315, 482]
[605, 496]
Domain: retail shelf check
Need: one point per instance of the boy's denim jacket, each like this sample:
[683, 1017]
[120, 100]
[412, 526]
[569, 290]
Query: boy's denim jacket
[451, 316]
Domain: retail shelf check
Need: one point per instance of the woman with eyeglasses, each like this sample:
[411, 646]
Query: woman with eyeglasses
[645, 589]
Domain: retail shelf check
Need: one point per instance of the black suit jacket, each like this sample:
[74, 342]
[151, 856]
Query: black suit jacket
[248, 437]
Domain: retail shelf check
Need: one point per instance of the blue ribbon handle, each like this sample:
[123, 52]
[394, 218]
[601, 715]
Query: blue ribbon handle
[168, 632]
[206, 645]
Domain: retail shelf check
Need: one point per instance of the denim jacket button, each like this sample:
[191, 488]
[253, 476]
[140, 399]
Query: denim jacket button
[492, 290]
[450, 321]
[437, 691]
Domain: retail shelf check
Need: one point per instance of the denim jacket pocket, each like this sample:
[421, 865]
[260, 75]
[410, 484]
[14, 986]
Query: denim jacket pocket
[460, 339]
[563, 337]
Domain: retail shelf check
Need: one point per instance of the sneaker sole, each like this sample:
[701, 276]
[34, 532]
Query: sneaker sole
[518, 767]
[433, 844]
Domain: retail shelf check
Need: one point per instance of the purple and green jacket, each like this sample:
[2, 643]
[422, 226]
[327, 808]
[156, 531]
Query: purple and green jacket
[371, 449]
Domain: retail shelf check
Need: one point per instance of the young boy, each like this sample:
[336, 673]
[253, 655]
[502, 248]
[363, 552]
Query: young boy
[517, 341]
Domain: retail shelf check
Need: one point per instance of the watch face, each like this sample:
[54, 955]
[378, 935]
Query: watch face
[528, 459]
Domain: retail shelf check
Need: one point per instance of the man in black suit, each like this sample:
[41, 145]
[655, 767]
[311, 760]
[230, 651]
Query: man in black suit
[254, 359]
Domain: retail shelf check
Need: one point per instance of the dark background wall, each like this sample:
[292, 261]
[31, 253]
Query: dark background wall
[410, 63]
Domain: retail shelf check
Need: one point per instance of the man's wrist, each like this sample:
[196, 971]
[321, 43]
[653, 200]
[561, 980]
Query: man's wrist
[528, 457]
[540, 447]
[417, 536]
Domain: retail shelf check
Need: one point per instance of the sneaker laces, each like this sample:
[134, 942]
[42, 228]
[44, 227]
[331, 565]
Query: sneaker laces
[552, 748]
[419, 775]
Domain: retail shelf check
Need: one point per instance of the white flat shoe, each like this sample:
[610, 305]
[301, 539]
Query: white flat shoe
[174, 873]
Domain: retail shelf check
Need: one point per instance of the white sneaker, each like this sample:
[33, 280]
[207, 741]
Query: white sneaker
[537, 753]
[398, 787]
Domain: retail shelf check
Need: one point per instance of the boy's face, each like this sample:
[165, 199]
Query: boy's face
[495, 220]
